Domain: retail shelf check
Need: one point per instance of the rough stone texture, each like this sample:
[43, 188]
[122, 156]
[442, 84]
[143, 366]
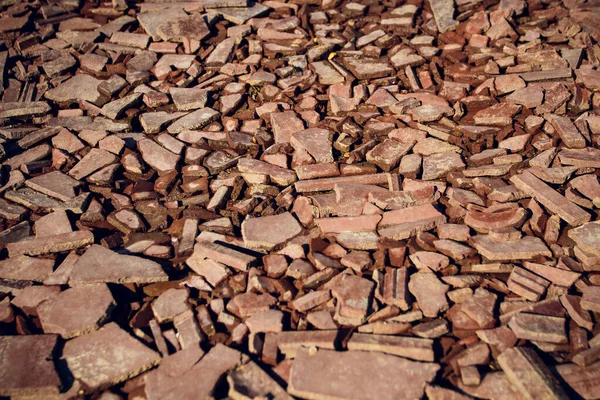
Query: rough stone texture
[99, 264]
[250, 380]
[89, 306]
[181, 375]
[80, 87]
[551, 199]
[413, 348]
[443, 13]
[170, 304]
[107, 356]
[378, 180]
[51, 244]
[587, 237]
[55, 184]
[522, 249]
[429, 292]
[268, 232]
[157, 156]
[525, 370]
[23, 268]
[23, 358]
[325, 374]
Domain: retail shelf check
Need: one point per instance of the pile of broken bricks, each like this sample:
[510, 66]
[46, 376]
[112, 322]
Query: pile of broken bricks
[319, 199]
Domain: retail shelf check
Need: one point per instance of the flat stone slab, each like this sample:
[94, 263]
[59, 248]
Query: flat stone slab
[280, 176]
[30, 297]
[92, 162]
[51, 244]
[55, 184]
[368, 69]
[567, 131]
[194, 120]
[587, 237]
[325, 374]
[182, 376]
[150, 21]
[157, 156]
[327, 74]
[99, 264]
[80, 87]
[443, 12]
[115, 109]
[497, 115]
[550, 198]
[170, 304]
[23, 268]
[525, 248]
[183, 28]
[583, 380]
[528, 373]
[53, 224]
[11, 211]
[239, 15]
[316, 141]
[23, 109]
[250, 378]
[354, 299]
[285, 124]
[232, 257]
[107, 357]
[430, 293]
[26, 366]
[76, 311]
[543, 328]
[407, 222]
[186, 99]
[268, 232]
[408, 347]
[39, 202]
[224, 3]
[154, 122]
